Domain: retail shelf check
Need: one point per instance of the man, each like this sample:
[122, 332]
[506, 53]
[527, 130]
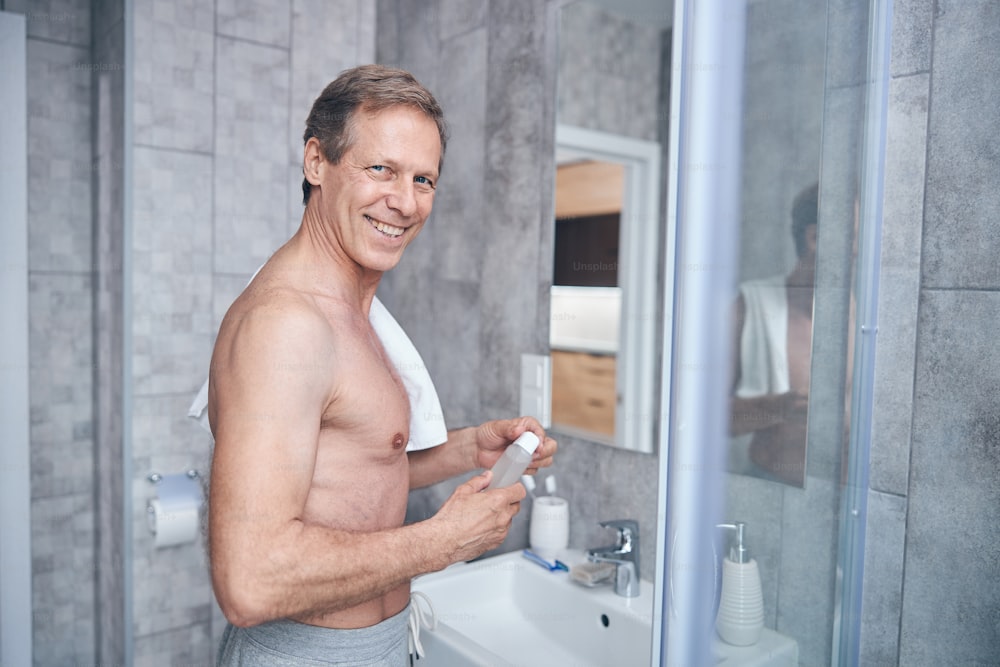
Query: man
[773, 351]
[311, 561]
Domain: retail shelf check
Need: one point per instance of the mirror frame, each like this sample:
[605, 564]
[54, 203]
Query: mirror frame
[638, 278]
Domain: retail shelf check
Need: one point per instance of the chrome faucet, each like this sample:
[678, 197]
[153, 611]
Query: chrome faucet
[624, 554]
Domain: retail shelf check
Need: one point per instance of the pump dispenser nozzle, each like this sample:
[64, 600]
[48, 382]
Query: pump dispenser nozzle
[738, 552]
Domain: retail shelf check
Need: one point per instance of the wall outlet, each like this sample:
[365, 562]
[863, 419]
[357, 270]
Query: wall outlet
[536, 387]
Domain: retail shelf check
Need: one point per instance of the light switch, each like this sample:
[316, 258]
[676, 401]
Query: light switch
[536, 387]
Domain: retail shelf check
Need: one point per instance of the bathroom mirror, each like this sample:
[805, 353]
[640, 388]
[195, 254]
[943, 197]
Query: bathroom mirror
[602, 303]
[609, 224]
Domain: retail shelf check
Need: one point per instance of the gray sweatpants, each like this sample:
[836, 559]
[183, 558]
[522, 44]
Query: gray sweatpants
[290, 644]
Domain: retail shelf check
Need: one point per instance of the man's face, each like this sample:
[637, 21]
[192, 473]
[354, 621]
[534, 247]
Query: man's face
[377, 198]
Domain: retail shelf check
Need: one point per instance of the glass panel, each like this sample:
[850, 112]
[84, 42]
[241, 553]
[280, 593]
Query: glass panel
[794, 319]
[807, 109]
[772, 337]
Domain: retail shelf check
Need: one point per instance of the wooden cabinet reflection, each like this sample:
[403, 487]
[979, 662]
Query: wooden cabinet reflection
[583, 391]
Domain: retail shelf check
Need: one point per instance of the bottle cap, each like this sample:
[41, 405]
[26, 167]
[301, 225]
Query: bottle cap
[528, 442]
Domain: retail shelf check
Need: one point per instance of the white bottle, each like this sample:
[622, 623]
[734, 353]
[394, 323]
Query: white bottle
[513, 461]
[741, 605]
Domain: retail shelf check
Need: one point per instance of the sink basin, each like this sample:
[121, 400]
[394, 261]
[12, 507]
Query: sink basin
[507, 610]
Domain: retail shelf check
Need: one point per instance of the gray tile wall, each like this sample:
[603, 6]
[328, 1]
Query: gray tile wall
[61, 347]
[222, 90]
[930, 583]
[609, 72]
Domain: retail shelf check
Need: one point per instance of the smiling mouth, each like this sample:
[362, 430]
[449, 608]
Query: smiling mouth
[388, 230]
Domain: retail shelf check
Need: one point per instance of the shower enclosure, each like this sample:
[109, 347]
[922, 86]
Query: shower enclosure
[772, 101]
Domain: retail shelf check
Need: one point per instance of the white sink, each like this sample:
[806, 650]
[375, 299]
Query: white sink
[506, 610]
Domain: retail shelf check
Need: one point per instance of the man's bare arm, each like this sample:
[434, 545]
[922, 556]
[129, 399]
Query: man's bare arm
[477, 447]
[270, 383]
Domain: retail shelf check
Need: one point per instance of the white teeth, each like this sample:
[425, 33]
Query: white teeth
[384, 228]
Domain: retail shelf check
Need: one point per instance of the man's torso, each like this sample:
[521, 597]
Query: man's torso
[360, 472]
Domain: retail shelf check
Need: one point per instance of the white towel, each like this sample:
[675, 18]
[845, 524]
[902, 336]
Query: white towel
[427, 427]
[763, 345]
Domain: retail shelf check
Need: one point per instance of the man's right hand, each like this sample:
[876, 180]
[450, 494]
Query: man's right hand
[474, 521]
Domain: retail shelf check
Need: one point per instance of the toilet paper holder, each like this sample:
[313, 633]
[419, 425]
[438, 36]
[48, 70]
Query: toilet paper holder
[156, 478]
[173, 514]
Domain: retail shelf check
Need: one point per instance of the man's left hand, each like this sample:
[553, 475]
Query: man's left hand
[493, 437]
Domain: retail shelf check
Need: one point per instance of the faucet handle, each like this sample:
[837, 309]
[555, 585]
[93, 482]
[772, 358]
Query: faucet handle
[628, 531]
[625, 555]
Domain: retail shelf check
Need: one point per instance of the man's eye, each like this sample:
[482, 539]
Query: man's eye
[423, 180]
[377, 168]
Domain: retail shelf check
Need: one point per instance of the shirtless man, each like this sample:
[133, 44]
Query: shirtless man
[777, 420]
[310, 473]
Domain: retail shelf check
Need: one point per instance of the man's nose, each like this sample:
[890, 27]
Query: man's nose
[403, 197]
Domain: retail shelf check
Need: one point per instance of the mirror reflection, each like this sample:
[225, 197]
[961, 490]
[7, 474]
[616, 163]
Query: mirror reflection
[608, 222]
[586, 298]
[785, 75]
[772, 344]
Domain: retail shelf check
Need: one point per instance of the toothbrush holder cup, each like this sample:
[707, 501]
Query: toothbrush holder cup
[548, 533]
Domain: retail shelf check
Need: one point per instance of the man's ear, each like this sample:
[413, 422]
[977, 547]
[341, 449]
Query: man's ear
[313, 162]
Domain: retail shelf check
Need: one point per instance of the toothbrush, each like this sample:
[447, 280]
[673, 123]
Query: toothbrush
[554, 565]
[529, 484]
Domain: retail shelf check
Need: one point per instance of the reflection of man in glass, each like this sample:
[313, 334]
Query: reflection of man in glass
[773, 336]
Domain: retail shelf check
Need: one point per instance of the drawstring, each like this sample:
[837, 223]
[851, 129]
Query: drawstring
[419, 617]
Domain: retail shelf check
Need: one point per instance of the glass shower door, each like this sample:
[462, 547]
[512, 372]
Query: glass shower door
[775, 181]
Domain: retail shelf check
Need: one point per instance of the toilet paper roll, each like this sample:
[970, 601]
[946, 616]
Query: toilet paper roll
[171, 525]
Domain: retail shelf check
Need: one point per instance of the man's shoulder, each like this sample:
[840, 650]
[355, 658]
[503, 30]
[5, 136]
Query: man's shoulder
[270, 317]
[273, 303]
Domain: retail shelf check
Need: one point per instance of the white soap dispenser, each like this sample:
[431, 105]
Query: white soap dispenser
[741, 604]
